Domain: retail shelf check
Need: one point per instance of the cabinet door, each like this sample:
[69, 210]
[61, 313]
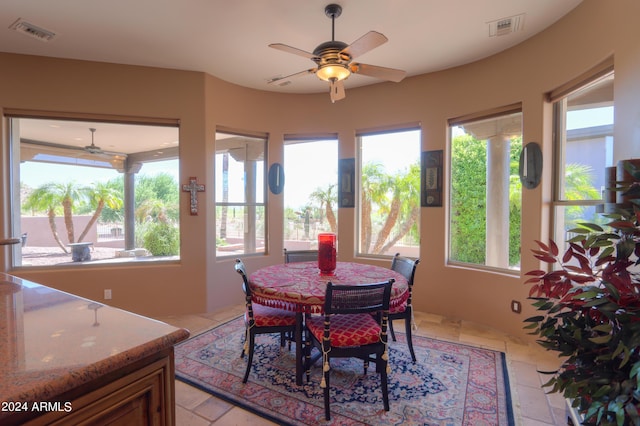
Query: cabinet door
[143, 397]
[138, 403]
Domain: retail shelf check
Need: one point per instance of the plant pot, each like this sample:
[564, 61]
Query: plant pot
[573, 417]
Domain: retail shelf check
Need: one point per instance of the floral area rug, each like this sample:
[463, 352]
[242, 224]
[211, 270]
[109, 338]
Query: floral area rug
[450, 384]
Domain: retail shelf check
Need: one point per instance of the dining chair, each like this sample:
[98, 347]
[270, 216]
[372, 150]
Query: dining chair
[260, 319]
[407, 268]
[349, 330]
[291, 256]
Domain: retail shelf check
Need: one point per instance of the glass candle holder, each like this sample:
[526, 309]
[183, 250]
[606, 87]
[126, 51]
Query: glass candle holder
[327, 253]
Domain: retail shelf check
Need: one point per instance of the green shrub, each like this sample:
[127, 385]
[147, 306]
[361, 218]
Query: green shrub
[162, 239]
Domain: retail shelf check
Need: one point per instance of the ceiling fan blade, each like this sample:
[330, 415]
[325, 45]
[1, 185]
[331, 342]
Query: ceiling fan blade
[294, 50]
[367, 42]
[93, 149]
[278, 80]
[390, 74]
[96, 150]
[52, 147]
[337, 90]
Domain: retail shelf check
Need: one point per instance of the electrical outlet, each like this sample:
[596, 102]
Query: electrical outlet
[516, 306]
[107, 294]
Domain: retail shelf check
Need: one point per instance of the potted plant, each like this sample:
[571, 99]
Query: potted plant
[589, 305]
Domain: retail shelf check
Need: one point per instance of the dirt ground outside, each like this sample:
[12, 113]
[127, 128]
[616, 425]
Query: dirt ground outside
[43, 256]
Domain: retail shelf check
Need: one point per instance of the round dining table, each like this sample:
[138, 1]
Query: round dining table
[299, 287]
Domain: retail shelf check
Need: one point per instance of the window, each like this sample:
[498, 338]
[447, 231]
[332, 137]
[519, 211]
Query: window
[485, 190]
[583, 121]
[310, 192]
[240, 194]
[75, 178]
[389, 208]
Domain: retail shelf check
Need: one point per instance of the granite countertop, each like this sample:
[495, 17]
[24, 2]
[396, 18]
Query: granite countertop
[52, 342]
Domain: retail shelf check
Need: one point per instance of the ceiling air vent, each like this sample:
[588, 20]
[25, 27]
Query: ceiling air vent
[506, 26]
[29, 29]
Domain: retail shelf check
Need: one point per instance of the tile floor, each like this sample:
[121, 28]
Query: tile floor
[532, 407]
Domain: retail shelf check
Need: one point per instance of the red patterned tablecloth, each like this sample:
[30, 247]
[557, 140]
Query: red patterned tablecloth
[299, 287]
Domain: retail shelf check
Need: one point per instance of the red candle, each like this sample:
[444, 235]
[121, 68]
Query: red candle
[327, 253]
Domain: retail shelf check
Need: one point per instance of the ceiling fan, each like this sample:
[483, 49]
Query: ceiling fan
[85, 151]
[96, 150]
[334, 58]
[93, 149]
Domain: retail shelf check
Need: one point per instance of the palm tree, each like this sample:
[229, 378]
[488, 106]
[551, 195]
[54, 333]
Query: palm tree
[404, 208]
[579, 183]
[72, 193]
[101, 195]
[327, 199]
[48, 197]
[579, 186]
[375, 186]
[152, 210]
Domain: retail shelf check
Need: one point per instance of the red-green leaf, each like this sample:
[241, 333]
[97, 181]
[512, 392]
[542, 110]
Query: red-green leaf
[600, 339]
[534, 319]
[584, 264]
[547, 259]
[540, 252]
[542, 245]
[592, 226]
[556, 275]
[578, 231]
[621, 224]
[605, 255]
[577, 248]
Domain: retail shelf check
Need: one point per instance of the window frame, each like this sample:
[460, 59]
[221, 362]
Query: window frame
[558, 98]
[386, 130]
[245, 204]
[14, 162]
[297, 139]
[502, 111]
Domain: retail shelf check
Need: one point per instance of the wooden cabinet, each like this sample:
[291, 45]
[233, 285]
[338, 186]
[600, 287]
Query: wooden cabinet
[142, 394]
[60, 366]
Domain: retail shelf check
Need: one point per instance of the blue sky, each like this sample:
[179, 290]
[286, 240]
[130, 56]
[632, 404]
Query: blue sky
[589, 117]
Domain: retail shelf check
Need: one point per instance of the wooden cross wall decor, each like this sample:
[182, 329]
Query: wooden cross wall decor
[193, 187]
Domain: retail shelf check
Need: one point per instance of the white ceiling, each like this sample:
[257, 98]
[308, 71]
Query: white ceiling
[229, 40]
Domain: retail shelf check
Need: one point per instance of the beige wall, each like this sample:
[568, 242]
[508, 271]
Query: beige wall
[590, 34]
[39, 233]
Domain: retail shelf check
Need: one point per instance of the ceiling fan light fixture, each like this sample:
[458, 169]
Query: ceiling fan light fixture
[333, 59]
[333, 72]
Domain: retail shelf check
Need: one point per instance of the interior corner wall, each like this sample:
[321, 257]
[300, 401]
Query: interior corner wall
[200, 282]
[33, 83]
[520, 75]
